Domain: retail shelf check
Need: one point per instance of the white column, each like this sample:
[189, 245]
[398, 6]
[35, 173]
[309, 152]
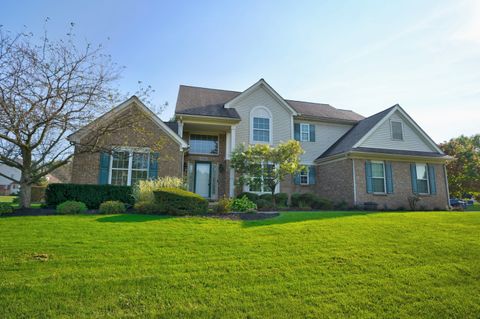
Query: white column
[233, 132]
[228, 147]
[180, 128]
[232, 182]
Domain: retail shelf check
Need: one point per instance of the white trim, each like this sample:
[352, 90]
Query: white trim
[446, 184]
[207, 134]
[228, 145]
[354, 183]
[270, 125]
[129, 170]
[268, 88]
[384, 177]
[232, 182]
[428, 178]
[308, 131]
[307, 170]
[76, 136]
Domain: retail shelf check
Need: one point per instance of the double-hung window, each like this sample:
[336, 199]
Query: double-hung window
[261, 129]
[128, 167]
[422, 179]
[304, 176]
[304, 132]
[378, 177]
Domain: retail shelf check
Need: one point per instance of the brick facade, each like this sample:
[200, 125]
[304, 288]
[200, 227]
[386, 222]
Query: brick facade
[138, 131]
[335, 181]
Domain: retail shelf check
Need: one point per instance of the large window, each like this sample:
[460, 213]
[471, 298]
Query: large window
[378, 177]
[259, 182]
[397, 130]
[128, 167]
[204, 144]
[304, 132]
[261, 129]
[422, 179]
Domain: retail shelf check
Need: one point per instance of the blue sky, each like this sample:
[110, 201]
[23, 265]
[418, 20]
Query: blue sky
[360, 55]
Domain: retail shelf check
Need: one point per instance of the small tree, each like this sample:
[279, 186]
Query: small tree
[263, 166]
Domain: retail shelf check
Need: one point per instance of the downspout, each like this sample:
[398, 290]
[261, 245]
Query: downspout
[446, 186]
[354, 183]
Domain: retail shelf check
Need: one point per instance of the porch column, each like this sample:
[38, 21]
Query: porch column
[233, 131]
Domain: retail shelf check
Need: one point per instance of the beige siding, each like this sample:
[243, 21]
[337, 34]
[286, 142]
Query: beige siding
[281, 117]
[412, 140]
[325, 135]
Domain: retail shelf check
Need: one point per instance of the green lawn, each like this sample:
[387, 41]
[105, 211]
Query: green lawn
[9, 199]
[338, 264]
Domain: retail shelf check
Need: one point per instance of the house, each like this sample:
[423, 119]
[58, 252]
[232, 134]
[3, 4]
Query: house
[384, 158]
[7, 186]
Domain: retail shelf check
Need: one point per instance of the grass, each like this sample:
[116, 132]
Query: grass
[327, 264]
[9, 199]
[474, 208]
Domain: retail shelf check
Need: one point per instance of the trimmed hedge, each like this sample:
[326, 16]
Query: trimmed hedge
[91, 195]
[177, 201]
[112, 207]
[5, 208]
[281, 200]
[71, 207]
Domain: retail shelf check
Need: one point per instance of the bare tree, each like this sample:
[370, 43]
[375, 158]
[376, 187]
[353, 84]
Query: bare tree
[48, 89]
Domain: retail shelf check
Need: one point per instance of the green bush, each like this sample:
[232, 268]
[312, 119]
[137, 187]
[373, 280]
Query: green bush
[341, 205]
[91, 195]
[6, 208]
[281, 200]
[224, 205]
[251, 196]
[147, 207]
[71, 207]
[263, 204]
[295, 200]
[112, 207]
[143, 191]
[321, 203]
[180, 202]
[243, 204]
[307, 199]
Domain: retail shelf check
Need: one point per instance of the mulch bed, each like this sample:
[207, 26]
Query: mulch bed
[244, 216]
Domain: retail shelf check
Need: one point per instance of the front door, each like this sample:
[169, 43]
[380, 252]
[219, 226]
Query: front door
[202, 178]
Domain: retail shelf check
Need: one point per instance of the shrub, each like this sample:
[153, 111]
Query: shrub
[180, 202]
[295, 200]
[71, 207]
[91, 195]
[143, 191]
[112, 207]
[251, 196]
[5, 208]
[342, 205]
[264, 204]
[413, 201]
[281, 199]
[320, 203]
[37, 194]
[146, 207]
[370, 206]
[243, 204]
[224, 206]
[267, 197]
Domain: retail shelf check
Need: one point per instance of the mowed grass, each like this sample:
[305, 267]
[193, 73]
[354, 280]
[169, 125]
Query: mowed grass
[9, 199]
[326, 264]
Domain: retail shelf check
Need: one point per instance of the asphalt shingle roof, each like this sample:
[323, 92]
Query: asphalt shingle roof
[210, 102]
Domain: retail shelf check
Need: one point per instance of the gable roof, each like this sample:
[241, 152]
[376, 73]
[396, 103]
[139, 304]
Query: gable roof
[352, 139]
[76, 136]
[211, 102]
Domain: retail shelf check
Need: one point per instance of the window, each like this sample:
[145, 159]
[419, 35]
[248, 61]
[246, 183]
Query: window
[422, 179]
[204, 144]
[397, 130]
[378, 177]
[261, 129]
[259, 183]
[128, 167]
[304, 132]
[304, 176]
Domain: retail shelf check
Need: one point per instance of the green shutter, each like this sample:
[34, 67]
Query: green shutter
[296, 131]
[368, 175]
[311, 175]
[413, 173]
[296, 179]
[312, 132]
[389, 177]
[104, 168]
[431, 179]
[153, 167]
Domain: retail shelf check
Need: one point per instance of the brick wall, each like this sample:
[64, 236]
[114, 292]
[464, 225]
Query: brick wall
[133, 129]
[335, 181]
[402, 187]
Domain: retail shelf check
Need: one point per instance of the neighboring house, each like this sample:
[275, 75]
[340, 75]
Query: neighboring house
[7, 186]
[384, 158]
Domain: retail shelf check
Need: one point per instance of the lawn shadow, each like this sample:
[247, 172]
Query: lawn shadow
[295, 217]
[131, 218]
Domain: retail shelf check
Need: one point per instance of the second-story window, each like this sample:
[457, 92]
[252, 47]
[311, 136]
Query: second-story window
[261, 129]
[304, 132]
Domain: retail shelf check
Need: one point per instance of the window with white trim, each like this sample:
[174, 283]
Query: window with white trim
[128, 167]
[422, 179]
[304, 176]
[260, 125]
[304, 132]
[259, 183]
[397, 130]
[378, 177]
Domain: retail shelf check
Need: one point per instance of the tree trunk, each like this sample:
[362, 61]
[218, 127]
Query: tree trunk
[274, 202]
[25, 194]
